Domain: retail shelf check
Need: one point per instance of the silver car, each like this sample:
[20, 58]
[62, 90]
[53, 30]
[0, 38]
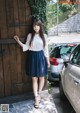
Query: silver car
[69, 79]
[57, 56]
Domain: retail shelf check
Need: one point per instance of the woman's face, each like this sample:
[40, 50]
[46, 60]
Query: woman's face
[36, 28]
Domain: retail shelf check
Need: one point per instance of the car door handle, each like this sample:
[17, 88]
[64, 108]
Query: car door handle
[76, 82]
[75, 79]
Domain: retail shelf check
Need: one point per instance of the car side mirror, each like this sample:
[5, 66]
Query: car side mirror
[65, 63]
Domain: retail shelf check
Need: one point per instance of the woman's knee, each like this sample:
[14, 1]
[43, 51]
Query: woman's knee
[41, 78]
[34, 78]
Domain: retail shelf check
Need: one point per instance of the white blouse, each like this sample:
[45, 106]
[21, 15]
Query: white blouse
[36, 44]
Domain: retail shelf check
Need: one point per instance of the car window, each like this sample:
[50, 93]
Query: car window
[75, 56]
[78, 60]
[56, 53]
[53, 53]
[59, 51]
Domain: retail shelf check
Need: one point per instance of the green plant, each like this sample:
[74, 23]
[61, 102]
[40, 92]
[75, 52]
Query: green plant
[50, 88]
[51, 15]
[38, 9]
[59, 11]
[65, 7]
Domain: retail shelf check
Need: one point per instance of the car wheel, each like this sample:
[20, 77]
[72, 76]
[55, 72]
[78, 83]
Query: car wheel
[62, 95]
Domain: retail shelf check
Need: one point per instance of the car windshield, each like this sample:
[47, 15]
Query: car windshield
[62, 50]
[66, 49]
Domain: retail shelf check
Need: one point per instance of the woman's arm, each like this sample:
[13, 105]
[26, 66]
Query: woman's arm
[18, 41]
[48, 62]
[25, 46]
[46, 52]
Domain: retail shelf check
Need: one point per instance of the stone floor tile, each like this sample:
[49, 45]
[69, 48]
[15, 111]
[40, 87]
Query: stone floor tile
[46, 105]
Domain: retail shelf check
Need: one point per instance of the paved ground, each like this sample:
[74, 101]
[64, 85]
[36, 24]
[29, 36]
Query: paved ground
[46, 106]
[50, 103]
[63, 106]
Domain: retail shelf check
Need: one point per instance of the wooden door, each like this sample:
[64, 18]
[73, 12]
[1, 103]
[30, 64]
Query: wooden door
[15, 18]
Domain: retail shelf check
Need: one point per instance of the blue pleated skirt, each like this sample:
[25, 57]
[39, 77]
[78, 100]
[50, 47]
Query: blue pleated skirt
[36, 64]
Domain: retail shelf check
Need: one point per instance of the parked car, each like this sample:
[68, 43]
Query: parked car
[57, 56]
[69, 79]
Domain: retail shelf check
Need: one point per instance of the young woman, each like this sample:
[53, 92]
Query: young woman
[37, 59]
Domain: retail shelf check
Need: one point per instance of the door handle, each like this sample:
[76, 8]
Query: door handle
[76, 82]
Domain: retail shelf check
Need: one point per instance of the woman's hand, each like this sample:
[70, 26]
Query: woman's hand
[16, 38]
[48, 64]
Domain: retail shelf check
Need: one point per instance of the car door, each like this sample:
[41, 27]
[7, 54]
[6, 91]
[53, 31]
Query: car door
[72, 79]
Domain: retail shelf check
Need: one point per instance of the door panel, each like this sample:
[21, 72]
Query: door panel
[75, 76]
[1, 75]
[72, 86]
[14, 19]
[67, 79]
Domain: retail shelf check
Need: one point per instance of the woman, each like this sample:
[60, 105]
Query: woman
[37, 59]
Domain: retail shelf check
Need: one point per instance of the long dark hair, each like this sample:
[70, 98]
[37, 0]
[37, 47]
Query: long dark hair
[41, 33]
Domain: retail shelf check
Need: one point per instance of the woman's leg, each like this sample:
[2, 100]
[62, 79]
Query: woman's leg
[35, 91]
[35, 86]
[41, 84]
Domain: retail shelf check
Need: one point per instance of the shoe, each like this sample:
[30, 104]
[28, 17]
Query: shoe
[36, 104]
